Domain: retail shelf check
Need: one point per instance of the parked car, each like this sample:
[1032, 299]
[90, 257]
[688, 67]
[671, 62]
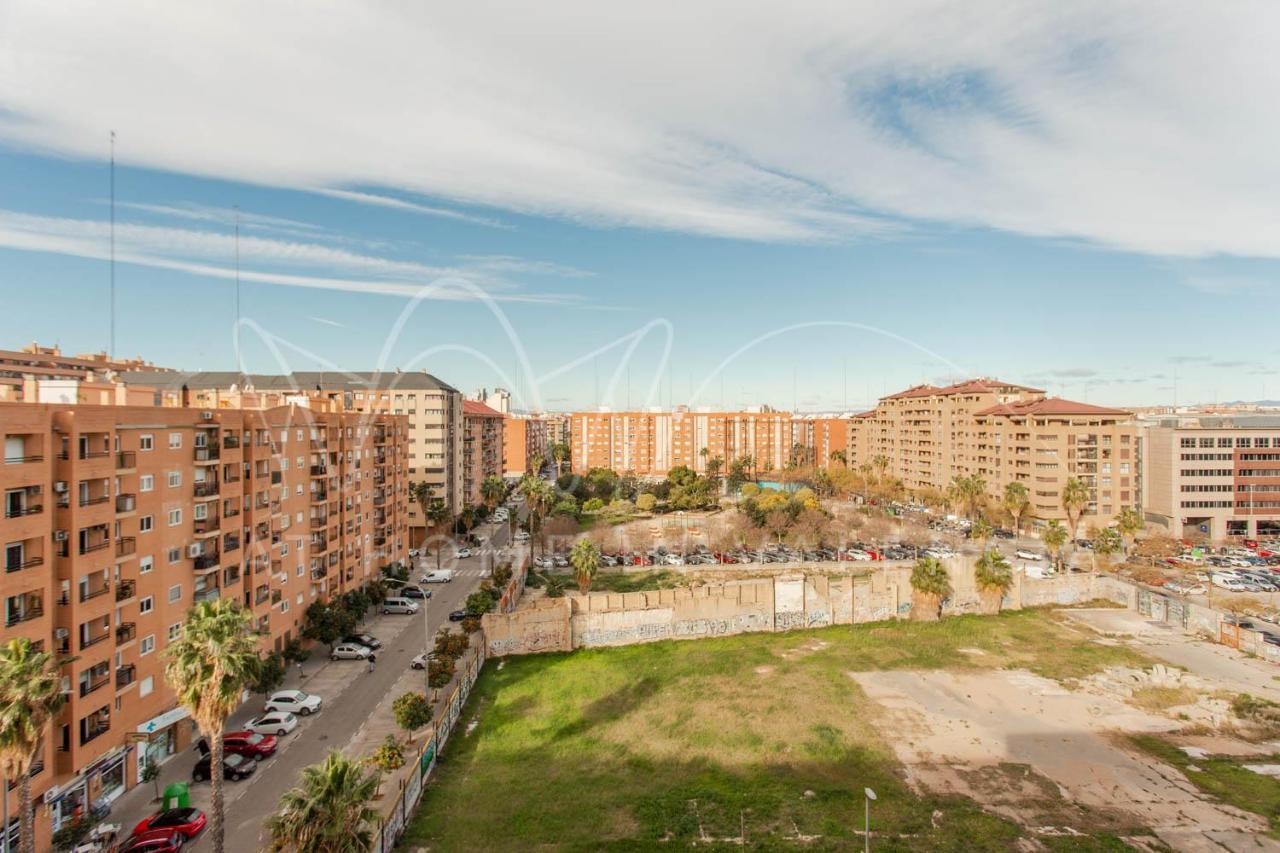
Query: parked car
[543, 562]
[399, 605]
[420, 661]
[350, 651]
[367, 640]
[186, 822]
[522, 536]
[234, 767]
[411, 591]
[561, 560]
[1024, 554]
[1002, 533]
[295, 701]
[464, 553]
[250, 745]
[155, 841]
[438, 576]
[277, 723]
[458, 615]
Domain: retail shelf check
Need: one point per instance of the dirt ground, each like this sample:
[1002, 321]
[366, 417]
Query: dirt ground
[980, 734]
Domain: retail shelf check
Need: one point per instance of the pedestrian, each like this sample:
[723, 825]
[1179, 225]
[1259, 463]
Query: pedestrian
[372, 663]
[300, 672]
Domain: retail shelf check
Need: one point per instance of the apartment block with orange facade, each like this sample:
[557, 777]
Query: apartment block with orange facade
[21, 369]
[524, 437]
[482, 448]
[119, 518]
[650, 444]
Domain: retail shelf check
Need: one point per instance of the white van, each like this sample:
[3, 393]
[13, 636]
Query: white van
[1033, 570]
[438, 576]
[400, 605]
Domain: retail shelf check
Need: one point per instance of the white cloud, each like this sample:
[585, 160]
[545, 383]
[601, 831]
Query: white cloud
[1132, 125]
[412, 207]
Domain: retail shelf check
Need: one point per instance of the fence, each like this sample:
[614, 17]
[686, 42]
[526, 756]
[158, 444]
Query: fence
[419, 770]
[511, 595]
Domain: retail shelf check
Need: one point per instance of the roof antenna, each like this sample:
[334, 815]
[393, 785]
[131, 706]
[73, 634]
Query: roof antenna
[235, 335]
[113, 245]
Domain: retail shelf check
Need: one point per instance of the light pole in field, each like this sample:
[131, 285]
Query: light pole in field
[868, 795]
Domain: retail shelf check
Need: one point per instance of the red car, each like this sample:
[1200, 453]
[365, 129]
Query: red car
[155, 841]
[185, 822]
[249, 744]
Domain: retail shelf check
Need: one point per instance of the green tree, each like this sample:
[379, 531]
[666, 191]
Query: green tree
[930, 584]
[555, 586]
[560, 454]
[412, 711]
[1075, 499]
[422, 494]
[478, 603]
[492, 490]
[328, 812]
[389, 755]
[213, 661]
[1106, 542]
[970, 491]
[151, 773]
[646, 502]
[981, 531]
[30, 695]
[1055, 536]
[1016, 501]
[440, 672]
[839, 457]
[437, 515]
[270, 674]
[993, 577]
[327, 622]
[1129, 523]
[585, 559]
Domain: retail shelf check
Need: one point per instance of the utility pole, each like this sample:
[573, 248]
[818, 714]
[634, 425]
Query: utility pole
[113, 245]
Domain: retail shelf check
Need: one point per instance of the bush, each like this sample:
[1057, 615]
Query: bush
[440, 672]
[451, 645]
[412, 711]
[71, 835]
[646, 502]
[270, 674]
[555, 586]
[471, 624]
[593, 505]
[295, 652]
[478, 603]
[502, 575]
[389, 756]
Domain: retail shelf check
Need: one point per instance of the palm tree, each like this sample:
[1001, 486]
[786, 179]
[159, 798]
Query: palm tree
[841, 457]
[30, 694]
[536, 462]
[1075, 498]
[930, 584]
[585, 558]
[969, 492]
[1055, 536]
[993, 576]
[1016, 501]
[1130, 523]
[982, 531]
[539, 497]
[208, 667]
[1105, 543]
[560, 453]
[329, 811]
[437, 514]
[422, 494]
[492, 490]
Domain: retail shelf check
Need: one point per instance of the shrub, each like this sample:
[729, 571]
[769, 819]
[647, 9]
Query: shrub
[440, 672]
[593, 505]
[295, 652]
[270, 674]
[555, 586]
[388, 756]
[502, 575]
[478, 603]
[646, 502]
[412, 711]
[471, 624]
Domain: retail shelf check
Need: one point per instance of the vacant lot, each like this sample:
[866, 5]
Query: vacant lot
[765, 738]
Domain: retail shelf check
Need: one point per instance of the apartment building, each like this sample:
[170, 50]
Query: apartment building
[825, 437]
[22, 370]
[1212, 476]
[481, 448]
[433, 409]
[119, 518]
[649, 444]
[1003, 432]
[523, 438]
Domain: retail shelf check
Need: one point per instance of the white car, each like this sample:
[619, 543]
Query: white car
[438, 576]
[857, 554]
[544, 562]
[295, 701]
[463, 553]
[561, 560]
[420, 661]
[349, 651]
[413, 552]
[278, 723]
[522, 536]
[674, 560]
[1231, 583]
[1023, 554]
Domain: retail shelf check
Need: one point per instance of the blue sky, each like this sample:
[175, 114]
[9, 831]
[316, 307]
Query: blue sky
[858, 207]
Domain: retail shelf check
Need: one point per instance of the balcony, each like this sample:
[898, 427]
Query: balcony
[86, 642]
[126, 632]
[318, 523]
[85, 453]
[126, 590]
[207, 525]
[125, 504]
[230, 575]
[320, 573]
[89, 546]
[126, 675]
[230, 543]
[126, 460]
[94, 727]
[20, 511]
[22, 460]
[206, 489]
[24, 614]
[85, 500]
[126, 545]
[262, 594]
[91, 594]
[207, 594]
[319, 471]
[230, 442]
[94, 683]
[319, 496]
[208, 454]
[205, 562]
[17, 565]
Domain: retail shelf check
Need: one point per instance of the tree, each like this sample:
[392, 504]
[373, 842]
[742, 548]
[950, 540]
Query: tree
[492, 490]
[71, 835]
[646, 502]
[560, 453]
[327, 622]
[585, 559]
[422, 494]
[389, 756]
[981, 531]
[930, 584]
[30, 695]
[1129, 523]
[1105, 543]
[412, 711]
[270, 674]
[970, 491]
[328, 812]
[210, 664]
[555, 586]
[437, 514]
[993, 576]
[1075, 499]
[295, 652]
[151, 773]
[777, 523]
[1016, 501]
[478, 603]
[439, 672]
[1055, 536]
[839, 456]
[592, 505]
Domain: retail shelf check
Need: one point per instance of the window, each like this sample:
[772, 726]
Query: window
[174, 630]
[146, 605]
[145, 564]
[175, 593]
[175, 479]
[175, 440]
[175, 555]
[146, 442]
[175, 517]
[146, 685]
[145, 524]
[284, 606]
[146, 482]
[200, 512]
[148, 645]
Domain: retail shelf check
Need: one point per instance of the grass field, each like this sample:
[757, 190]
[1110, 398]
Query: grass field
[679, 743]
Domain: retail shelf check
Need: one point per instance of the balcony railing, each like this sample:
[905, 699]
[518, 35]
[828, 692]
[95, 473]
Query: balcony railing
[125, 633]
[208, 454]
[90, 547]
[94, 454]
[319, 470]
[126, 459]
[126, 503]
[21, 460]
[208, 524]
[317, 523]
[19, 565]
[206, 489]
[126, 545]
[93, 501]
[319, 496]
[90, 594]
[88, 733]
[230, 543]
[86, 642]
[230, 442]
[26, 614]
[126, 590]
[207, 594]
[206, 561]
[126, 675]
[87, 687]
[19, 511]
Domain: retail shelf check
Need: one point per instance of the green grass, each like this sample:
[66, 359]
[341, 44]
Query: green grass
[1224, 777]
[670, 744]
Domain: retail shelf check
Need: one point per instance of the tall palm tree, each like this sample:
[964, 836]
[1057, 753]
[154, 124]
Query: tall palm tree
[560, 453]
[1075, 499]
[437, 514]
[30, 694]
[329, 811]
[841, 457]
[1055, 536]
[422, 494]
[993, 576]
[1130, 523]
[208, 667]
[492, 490]
[539, 498]
[930, 584]
[1016, 502]
[585, 558]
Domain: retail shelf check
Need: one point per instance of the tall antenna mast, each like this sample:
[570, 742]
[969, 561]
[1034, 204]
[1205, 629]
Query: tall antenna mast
[235, 337]
[112, 352]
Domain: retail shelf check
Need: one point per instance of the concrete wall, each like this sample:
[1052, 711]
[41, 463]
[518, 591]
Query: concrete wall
[778, 603]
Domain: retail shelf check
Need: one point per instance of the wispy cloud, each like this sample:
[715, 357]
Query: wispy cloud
[328, 322]
[411, 207]
[1073, 373]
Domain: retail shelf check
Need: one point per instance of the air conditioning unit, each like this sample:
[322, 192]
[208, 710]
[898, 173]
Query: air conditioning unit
[61, 633]
[59, 536]
[60, 486]
[193, 550]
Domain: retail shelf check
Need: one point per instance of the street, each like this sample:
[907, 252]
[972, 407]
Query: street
[345, 712]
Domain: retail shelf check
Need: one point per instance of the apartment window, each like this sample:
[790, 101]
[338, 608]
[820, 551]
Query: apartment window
[284, 606]
[175, 517]
[146, 605]
[174, 630]
[1244, 442]
[1224, 442]
[146, 685]
[175, 440]
[200, 512]
[1188, 442]
[146, 483]
[175, 593]
[148, 645]
[175, 479]
[145, 524]
[175, 555]
[145, 565]
[146, 441]
[1206, 442]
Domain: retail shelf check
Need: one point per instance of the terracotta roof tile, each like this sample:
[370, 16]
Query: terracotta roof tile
[1051, 406]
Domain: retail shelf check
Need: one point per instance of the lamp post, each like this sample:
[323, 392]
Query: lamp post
[868, 795]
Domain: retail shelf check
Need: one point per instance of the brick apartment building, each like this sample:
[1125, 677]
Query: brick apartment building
[649, 444]
[22, 370]
[118, 518]
[523, 438]
[1213, 476]
[481, 448]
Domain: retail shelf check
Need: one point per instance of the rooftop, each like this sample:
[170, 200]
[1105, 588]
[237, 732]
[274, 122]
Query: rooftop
[1051, 406]
[299, 381]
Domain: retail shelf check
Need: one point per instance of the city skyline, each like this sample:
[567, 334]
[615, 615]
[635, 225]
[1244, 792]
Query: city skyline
[736, 236]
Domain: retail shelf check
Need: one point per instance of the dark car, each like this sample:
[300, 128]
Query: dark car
[234, 767]
[187, 822]
[155, 841]
[458, 615]
[367, 640]
[415, 592]
[1001, 533]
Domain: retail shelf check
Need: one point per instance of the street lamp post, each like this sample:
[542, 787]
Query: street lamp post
[868, 795]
